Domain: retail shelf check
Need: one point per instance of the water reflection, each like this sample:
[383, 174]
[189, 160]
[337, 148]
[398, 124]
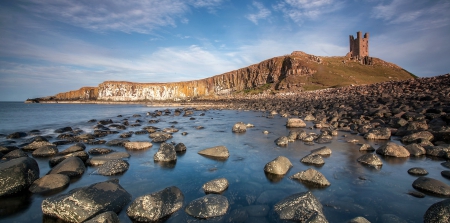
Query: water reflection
[15, 204]
[167, 165]
[274, 178]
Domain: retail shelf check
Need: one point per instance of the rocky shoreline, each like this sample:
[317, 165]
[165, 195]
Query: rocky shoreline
[417, 111]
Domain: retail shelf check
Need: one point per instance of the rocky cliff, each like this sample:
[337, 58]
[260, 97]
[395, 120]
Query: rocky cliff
[295, 72]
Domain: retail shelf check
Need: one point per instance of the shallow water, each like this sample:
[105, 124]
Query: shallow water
[355, 190]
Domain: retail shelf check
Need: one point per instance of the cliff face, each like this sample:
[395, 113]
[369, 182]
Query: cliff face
[84, 93]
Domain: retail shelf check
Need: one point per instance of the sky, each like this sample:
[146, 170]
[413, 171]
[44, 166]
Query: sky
[53, 46]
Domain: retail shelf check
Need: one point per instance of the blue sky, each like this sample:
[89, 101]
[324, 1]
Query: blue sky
[53, 46]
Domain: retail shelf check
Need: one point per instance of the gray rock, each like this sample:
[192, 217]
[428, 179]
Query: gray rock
[378, 133]
[117, 142]
[416, 136]
[415, 149]
[211, 205]
[64, 129]
[432, 186]
[84, 203]
[217, 151]
[158, 137]
[282, 141]
[166, 153]
[295, 123]
[323, 151]
[75, 148]
[313, 159]
[366, 147]
[17, 175]
[113, 167]
[105, 217]
[100, 160]
[137, 145]
[371, 160]
[300, 207]
[49, 183]
[439, 151]
[311, 176]
[72, 167]
[309, 118]
[359, 220]
[99, 151]
[278, 166]
[16, 135]
[170, 130]
[17, 153]
[393, 149]
[36, 145]
[58, 159]
[180, 147]
[438, 212]
[156, 206]
[418, 171]
[45, 151]
[239, 127]
[216, 186]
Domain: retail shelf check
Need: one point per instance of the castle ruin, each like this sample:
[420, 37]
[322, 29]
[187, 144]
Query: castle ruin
[359, 48]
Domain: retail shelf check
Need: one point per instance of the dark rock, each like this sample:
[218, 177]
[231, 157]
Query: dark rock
[378, 133]
[72, 167]
[84, 203]
[216, 186]
[371, 160]
[105, 122]
[126, 135]
[113, 167]
[166, 153]
[393, 149]
[239, 127]
[62, 130]
[446, 174]
[217, 151]
[438, 212]
[211, 205]
[36, 139]
[314, 159]
[180, 147]
[16, 135]
[416, 136]
[282, 141]
[278, 166]
[446, 164]
[100, 151]
[417, 194]
[439, 151]
[75, 148]
[311, 176]
[49, 183]
[300, 207]
[14, 154]
[117, 142]
[418, 171]
[295, 123]
[17, 175]
[45, 151]
[432, 186]
[415, 149]
[58, 159]
[156, 206]
[105, 217]
[100, 160]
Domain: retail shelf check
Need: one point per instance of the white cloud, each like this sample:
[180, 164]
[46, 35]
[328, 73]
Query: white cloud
[262, 13]
[299, 10]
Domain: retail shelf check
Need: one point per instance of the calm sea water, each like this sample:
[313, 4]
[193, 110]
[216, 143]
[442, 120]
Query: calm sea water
[355, 190]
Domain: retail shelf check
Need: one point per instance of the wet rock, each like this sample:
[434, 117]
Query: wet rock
[99, 151]
[17, 175]
[359, 220]
[113, 167]
[371, 160]
[239, 127]
[282, 141]
[417, 194]
[49, 183]
[16, 135]
[415, 149]
[416, 136]
[83, 203]
[159, 137]
[314, 159]
[323, 151]
[180, 147]
[36, 145]
[138, 145]
[295, 123]
[170, 130]
[446, 174]
[217, 151]
[105, 122]
[311, 176]
[14, 154]
[117, 142]
[211, 205]
[438, 212]
[446, 164]
[45, 151]
[439, 151]
[156, 206]
[378, 133]
[72, 167]
[216, 186]
[432, 186]
[366, 147]
[300, 207]
[126, 135]
[74, 148]
[166, 153]
[393, 149]
[62, 130]
[417, 171]
[105, 217]
[278, 166]
[58, 159]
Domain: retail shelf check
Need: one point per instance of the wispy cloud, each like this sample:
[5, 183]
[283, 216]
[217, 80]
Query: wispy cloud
[262, 13]
[299, 10]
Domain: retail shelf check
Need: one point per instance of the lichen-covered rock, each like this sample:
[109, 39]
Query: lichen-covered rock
[366, 147]
[211, 205]
[45, 151]
[100, 160]
[155, 206]
[393, 149]
[72, 167]
[323, 151]
[166, 153]
[239, 127]
[113, 167]
[16, 135]
[414, 137]
[36, 145]
[371, 160]
[315, 159]
[49, 183]
[282, 141]
[378, 133]
[17, 175]
[137, 145]
[432, 186]
[217, 151]
[180, 147]
[311, 176]
[83, 203]
[295, 123]
[105, 217]
[438, 212]
[278, 166]
[300, 207]
[216, 186]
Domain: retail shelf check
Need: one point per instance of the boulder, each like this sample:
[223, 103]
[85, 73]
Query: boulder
[416, 136]
[440, 151]
[49, 183]
[64, 129]
[17, 175]
[58, 159]
[239, 127]
[72, 167]
[74, 148]
[309, 118]
[282, 141]
[211, 205]
[16, 135]
[138, 145]
[100, 160]
[36, 145]
[15, 154]
[300, 207]
[431, 185]
[295, 123]
[278, 166]
[378, 133]
[371, 160]
[417, 171]
[156, 206]
[166, 153]
[393, 149]
[323, 151]
[313, 159]
[170, 130]
[216, 186]
[217, 152]
[105, 217]
[311, 176]
[366, 147]
[415, 149]
[359, 220]
[81, 204]
[180, 147]
[113, 167]
[446, 173]
[438, 212]
[117, 142]
[45, 151]
[100, 151]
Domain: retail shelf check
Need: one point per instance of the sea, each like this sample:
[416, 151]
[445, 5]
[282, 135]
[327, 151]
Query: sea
[379, 195]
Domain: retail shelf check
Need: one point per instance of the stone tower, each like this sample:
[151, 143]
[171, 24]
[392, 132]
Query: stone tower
[359, 47]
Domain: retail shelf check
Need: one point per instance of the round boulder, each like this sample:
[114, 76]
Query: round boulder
[49, 183]
[239, 127]
[432, 186]
[217, 152]
[393, 149]
[446, 173]
[371, 160]
[72, 167]
[417, 171]
[58, 159]
[311, 176]
[438, 212]
[17, 153]
[45, 151]
[415, 149]
[295, 123]
[216, 186]
[36, 145]
[314, 159]
[99, 151]
[17, 175]
[378, 133]
[156, 206]
[75, 148]
[166, 153]
[137, 145]
[113, 167]
[180, 147]
[300, 207]
[278, 166]
[211, 205]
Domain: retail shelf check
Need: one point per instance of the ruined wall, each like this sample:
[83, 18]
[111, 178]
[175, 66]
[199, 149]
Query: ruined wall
[359, 47]
[84, 93]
